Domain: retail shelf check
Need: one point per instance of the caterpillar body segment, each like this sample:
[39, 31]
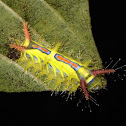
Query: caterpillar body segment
[66, 71]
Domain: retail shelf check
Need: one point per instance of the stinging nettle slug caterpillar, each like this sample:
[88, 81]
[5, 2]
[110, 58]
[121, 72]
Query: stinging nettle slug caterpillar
[66, 71]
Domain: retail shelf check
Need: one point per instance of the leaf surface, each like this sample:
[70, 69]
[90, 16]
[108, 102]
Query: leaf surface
[67, 22]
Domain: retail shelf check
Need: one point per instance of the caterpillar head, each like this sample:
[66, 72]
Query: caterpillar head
[92, 82]
[95, 82]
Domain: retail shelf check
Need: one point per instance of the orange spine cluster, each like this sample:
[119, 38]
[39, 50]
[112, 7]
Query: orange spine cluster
[18, 47]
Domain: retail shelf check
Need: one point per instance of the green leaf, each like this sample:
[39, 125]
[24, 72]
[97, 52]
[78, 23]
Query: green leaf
[14, 79]
[55, 21]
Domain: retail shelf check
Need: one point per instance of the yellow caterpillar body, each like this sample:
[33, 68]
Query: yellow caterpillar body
[66, 71]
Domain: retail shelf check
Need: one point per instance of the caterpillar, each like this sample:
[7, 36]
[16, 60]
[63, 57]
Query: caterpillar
[66, 71]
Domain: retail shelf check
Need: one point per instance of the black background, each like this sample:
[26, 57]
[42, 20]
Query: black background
[108, 27]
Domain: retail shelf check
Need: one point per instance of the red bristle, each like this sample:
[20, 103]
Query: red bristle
[18, 47]
[27, 35]
[84, 88]
[103, 71]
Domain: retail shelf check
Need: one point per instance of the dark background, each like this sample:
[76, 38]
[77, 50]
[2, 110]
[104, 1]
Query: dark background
[108, 27]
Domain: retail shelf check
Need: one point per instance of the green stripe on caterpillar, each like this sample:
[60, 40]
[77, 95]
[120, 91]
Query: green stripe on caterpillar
[67, 72]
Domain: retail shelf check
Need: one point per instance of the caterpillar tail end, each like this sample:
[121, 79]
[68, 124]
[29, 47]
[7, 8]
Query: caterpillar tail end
[27, 35]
